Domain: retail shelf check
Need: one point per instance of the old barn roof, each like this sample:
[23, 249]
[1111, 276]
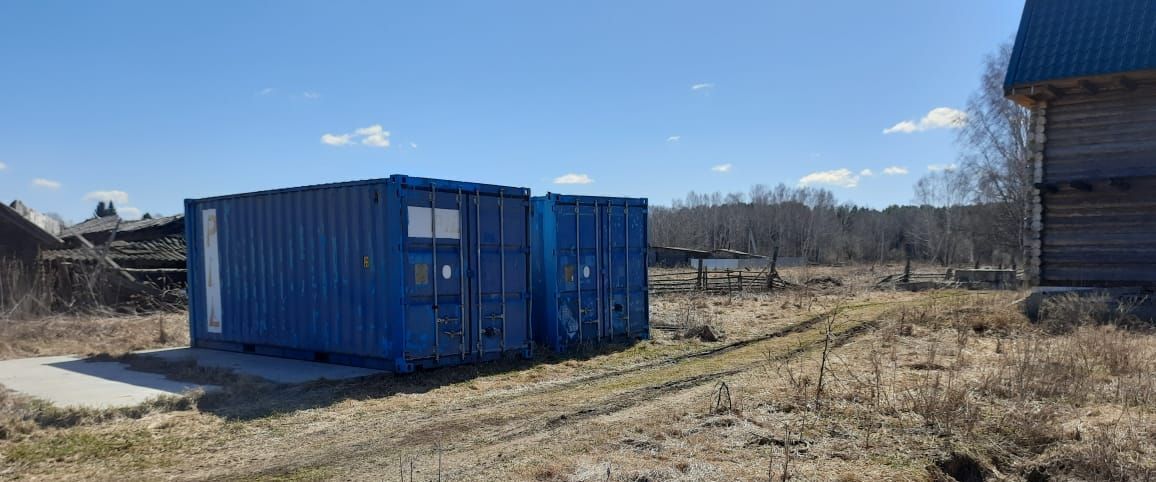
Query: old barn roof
[1069, 39]
[166, 249]
[107, 223]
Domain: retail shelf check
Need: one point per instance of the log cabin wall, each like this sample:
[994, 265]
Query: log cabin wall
[1094, 213]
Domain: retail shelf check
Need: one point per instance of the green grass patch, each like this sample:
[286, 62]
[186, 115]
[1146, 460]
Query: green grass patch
[75, 445]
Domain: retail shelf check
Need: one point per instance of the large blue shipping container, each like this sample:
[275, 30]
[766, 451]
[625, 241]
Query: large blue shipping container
[589, 269]
[394, 273]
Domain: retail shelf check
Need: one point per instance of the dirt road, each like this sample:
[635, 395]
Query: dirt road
[484, 436]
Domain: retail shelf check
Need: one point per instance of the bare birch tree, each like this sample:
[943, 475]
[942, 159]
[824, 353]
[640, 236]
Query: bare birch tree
[994, 145]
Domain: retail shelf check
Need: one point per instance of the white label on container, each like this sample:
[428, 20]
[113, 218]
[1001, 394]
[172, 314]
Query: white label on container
[422, 226]
[211, 254]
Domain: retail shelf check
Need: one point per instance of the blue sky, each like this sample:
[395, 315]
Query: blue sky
[153, 102]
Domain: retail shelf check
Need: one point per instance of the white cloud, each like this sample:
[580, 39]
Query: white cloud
[335, 139]
[866, 173]
[266, 91]
[941, 167]
[722, 167]
[837, 177]
[128, 212]
[310, 95]
[377, 140]
[702, 86]
[372, 136]
[3, 166]
[413, 145]
[895, 171]
[371, 130]
[905, 127]
[673, 138]
[938, 118]
[572, 178]
[46, 183]
[117, 197]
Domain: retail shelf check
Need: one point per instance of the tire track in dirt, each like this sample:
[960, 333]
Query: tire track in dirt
[790, 329]
[512, 417]
[496, 422]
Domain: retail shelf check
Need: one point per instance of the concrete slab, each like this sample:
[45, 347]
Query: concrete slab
[280, 370]
[70, 381]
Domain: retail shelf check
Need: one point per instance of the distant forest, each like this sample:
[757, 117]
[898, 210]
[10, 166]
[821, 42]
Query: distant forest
[809, 222]
[974, 212]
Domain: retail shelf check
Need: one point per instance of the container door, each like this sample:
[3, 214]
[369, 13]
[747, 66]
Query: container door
[626, 267]
[436, 289]
[579, 270]
[500, 261]
[637, 292]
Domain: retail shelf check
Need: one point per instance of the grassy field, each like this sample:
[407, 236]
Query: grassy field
[817, 383]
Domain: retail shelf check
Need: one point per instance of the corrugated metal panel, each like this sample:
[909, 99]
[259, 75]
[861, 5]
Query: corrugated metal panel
[338, 273]
[748, 263]
[1099, 224]
[590, 270]
[1078, 38]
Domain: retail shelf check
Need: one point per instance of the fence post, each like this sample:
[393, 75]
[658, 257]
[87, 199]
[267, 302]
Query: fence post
[740, 280]
[700, 284]
[907, 266]
[772, 271]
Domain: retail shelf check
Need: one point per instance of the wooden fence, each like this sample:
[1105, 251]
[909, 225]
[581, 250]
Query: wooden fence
[720, 281]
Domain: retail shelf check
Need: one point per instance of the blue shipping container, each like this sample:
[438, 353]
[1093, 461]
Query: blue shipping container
[393, 273]
[589, 265]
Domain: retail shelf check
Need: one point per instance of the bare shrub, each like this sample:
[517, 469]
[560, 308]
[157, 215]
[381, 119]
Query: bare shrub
[946, 405]
[1119, 451]
[1065, 312]
[25, 291]
[1021, 426]
[1093, 363]
[1039, 368]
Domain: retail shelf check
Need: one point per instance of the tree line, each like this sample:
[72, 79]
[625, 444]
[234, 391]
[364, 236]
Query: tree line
[974, 213]
[809, 222]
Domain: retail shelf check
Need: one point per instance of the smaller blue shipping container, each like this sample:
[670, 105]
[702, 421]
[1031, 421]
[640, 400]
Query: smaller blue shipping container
[393, 273]
[589, 269]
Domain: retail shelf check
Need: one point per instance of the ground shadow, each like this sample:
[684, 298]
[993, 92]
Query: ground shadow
[114, 371]
[245, 397]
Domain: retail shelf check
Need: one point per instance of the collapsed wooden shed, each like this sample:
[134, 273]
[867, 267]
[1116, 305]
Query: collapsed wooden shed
[1087, 70]
[21, 237]
[150, 250]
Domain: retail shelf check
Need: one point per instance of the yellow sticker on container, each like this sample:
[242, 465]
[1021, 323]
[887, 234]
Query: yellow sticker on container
[365, 262]
[420, 274]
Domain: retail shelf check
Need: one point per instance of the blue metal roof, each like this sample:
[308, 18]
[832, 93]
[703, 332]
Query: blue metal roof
[1061, 39]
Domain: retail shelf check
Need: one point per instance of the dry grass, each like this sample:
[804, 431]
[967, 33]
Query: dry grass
[21, 416]
[91, 334]
[957, 385]
[917, 386]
